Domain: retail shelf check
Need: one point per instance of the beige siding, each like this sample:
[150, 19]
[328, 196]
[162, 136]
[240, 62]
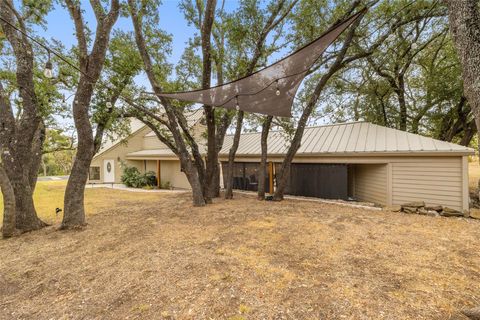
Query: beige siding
[437, 181]
[170, 171]
[371, 183]
[152, 143]
[151, 165]
[118, 154]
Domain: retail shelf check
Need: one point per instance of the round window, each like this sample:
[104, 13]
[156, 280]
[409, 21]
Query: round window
[109, 167]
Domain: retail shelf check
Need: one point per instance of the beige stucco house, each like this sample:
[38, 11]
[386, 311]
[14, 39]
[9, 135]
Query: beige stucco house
[356, 160]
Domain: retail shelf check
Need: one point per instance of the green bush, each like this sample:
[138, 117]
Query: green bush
[132, 178]
[165, 185]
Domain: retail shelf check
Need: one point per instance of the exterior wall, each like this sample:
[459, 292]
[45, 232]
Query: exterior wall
[170, 171]
[152, 143]
[437, 181]
[151, 165]
[370, 183]
[118, 154]
[387, 180]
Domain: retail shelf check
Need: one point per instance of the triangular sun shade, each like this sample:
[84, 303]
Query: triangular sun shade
[270, 90]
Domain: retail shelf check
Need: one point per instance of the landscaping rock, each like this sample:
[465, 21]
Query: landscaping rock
[393, 208]
[422, 211]
[449, 212]
[433, 213]
[434, 208]
[409, 209]
[475, 214]
[472, 314]
[416, 204]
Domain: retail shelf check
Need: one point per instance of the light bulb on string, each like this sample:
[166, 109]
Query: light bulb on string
[237, 106]
[278, 90]
[109, 106]
[48, 72]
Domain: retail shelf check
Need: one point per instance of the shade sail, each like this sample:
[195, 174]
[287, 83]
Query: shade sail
[270, 90]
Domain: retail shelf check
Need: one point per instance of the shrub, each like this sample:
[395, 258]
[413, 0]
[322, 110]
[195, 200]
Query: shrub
[132, 178]
[165, 185]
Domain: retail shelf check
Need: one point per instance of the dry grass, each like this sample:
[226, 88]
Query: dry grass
[240, 259]
[473, 174]
[49, 196]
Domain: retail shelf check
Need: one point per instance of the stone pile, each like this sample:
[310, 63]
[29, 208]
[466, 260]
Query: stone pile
[419, 207]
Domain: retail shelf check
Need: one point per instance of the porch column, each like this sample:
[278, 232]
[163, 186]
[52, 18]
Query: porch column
[158, 174]
[270, 175]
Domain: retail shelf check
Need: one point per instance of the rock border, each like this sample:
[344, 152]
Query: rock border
[419, 207]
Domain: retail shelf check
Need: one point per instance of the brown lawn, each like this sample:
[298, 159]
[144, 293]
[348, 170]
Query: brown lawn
[153, 256]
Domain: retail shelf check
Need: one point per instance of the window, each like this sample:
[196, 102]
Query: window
[94, 173]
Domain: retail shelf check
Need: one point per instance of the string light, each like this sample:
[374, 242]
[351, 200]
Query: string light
[237, 106]
[278, 90]
[109, 106]
[48, 72]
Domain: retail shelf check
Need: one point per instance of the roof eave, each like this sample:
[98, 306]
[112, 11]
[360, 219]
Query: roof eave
[366, 154]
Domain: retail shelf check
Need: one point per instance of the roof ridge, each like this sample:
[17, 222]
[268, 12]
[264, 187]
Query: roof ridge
[310, 127]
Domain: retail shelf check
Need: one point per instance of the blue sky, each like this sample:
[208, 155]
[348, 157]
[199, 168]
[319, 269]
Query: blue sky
[60, 26]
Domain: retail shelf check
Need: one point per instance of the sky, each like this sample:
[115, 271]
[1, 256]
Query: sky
[60, 26]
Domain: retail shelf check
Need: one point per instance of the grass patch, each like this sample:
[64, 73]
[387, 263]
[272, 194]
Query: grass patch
[49, 195]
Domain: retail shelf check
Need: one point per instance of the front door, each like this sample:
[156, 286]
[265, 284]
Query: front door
[108, 171]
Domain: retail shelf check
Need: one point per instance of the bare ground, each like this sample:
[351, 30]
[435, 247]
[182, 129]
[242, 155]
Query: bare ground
[159, 258]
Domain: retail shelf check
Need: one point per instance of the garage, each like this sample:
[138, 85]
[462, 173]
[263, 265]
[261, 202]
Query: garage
[364, 162]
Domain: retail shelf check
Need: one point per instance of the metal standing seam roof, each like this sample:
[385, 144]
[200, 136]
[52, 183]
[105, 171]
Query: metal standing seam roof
[360, 138]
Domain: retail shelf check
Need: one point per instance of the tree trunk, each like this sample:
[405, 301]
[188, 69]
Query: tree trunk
[231, 155]
[194, 180]
[91, 65]
[8, 228]
[74, 211]
[469, 133]
[464, 18]
[26, 215]
[212, 155]
[37, 151]
[17, 135]
[400, 91]
[263, 161]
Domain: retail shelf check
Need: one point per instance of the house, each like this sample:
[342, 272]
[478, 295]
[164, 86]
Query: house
[356, 160]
